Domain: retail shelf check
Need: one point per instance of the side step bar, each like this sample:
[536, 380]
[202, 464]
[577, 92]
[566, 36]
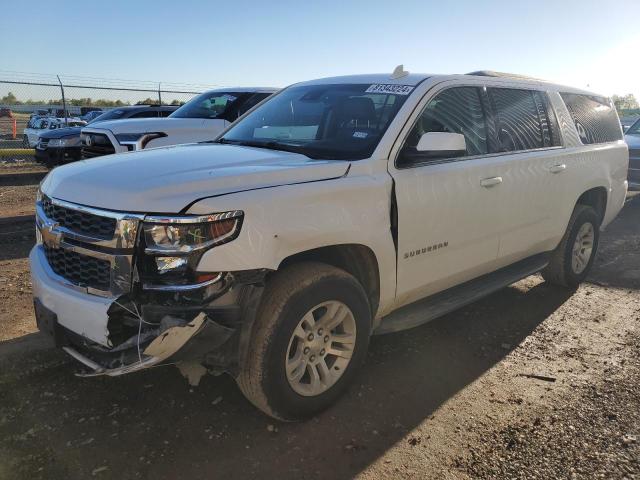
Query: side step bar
[439, 304]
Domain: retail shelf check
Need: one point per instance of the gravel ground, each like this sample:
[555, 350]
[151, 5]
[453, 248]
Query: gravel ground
[531, 382]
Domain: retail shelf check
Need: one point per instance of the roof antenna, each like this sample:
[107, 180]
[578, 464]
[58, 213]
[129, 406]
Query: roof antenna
[399, 72]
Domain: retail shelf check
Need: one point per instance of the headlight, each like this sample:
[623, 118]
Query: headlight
[64, 142]
[183, 235]
[139, 140]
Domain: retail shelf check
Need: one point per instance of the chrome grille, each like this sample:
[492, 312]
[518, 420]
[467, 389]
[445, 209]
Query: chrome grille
[79, 269]
[87, 249]
[79, 221]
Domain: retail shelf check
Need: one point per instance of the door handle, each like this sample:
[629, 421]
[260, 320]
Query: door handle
[558, 168]
[490, 182]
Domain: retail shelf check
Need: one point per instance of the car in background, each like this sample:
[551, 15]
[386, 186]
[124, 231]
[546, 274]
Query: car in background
[6, 112]
[63, 145]
[200, 119]
[92, 115]
[632, 137]
[39, 125]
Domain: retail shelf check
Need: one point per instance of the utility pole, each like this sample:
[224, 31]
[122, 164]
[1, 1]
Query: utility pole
[64, 102]
[159, 95]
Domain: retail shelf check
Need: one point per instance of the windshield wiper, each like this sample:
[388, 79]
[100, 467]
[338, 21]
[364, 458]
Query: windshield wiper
[271, 145]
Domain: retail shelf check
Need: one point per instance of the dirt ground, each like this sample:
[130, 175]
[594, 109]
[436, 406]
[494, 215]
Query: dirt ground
[531, 382]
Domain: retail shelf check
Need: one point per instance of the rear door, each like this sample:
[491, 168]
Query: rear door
[447, 207]
[528, 140]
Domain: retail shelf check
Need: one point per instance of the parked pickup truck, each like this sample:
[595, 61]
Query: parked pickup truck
[200, 119]
[337, 209]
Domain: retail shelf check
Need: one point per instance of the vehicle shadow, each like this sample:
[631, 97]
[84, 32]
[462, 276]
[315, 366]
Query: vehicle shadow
[212, 432]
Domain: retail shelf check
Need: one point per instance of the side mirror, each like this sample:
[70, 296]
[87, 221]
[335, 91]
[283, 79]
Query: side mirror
[442, 144]
[432, 146]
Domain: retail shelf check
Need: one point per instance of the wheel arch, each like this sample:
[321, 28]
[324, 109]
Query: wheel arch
[356, 259]
[596, 198]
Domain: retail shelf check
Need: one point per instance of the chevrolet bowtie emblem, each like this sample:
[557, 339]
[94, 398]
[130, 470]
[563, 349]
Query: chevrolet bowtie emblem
[50, 235]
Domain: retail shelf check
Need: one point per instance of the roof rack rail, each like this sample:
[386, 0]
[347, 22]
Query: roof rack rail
[491, 73]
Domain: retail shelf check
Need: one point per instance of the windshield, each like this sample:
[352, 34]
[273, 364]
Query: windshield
[344, 121]
[634, 129]
[207, 105]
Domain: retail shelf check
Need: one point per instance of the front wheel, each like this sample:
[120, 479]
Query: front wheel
[310, 337]
[571, 261]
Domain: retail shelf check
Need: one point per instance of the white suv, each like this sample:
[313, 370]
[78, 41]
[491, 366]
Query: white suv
[200, 119]
[337, 209]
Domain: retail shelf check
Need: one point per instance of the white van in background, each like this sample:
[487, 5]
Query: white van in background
[200, 119]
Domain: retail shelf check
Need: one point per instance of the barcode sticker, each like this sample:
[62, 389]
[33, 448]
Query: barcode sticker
[384, 88]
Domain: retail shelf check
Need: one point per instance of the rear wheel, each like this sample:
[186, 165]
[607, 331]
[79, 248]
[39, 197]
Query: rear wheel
[25, 141]
[571, 261]
[310, 337]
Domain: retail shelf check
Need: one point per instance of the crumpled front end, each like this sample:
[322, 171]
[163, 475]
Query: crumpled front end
[95, 294]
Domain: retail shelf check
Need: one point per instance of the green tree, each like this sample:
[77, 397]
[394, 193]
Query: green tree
[10, 98]
[625, 102]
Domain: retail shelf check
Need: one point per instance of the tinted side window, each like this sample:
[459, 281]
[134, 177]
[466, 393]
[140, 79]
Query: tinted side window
[164, 113]
[595, 119]
[517, 118]
[456, 110]
[145, 114]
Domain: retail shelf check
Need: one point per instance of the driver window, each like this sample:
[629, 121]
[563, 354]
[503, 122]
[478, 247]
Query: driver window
[456, 110]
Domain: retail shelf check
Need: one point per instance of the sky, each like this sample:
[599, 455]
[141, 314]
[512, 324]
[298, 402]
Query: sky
[589, 44]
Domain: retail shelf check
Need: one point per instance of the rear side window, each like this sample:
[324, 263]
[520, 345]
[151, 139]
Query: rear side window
[524, 119]
[164, 113]
[595, 118]
[456, 110]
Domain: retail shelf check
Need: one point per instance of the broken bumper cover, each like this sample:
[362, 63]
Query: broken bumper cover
[159, 350]
[79, 324]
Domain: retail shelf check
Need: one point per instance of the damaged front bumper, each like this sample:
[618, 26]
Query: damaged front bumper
[116, 336]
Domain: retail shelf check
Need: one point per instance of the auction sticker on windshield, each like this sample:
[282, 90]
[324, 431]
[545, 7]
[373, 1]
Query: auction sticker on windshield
[395, 89]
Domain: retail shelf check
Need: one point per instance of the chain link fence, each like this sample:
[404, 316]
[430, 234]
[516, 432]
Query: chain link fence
[25, 96]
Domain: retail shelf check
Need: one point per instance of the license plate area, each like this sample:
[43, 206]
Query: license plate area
[47, 322]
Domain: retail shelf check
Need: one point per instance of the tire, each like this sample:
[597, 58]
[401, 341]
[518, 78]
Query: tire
[562, 269]
[25, 141]
[290, 296]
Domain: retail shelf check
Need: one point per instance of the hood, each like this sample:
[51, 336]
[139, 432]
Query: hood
[633, 141]
[140, 125]
[166, 180]
[61, 132]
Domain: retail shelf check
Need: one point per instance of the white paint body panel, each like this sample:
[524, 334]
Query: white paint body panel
[177, 130]
[167, 180]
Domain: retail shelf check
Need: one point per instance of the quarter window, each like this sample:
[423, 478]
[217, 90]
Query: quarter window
[594, 117]
[456, 110]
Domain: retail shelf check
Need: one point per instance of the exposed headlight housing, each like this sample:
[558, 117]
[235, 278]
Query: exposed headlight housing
[183, 235]
[173, 247]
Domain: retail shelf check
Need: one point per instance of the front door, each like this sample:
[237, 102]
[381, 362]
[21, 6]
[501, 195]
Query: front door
[447, 221]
